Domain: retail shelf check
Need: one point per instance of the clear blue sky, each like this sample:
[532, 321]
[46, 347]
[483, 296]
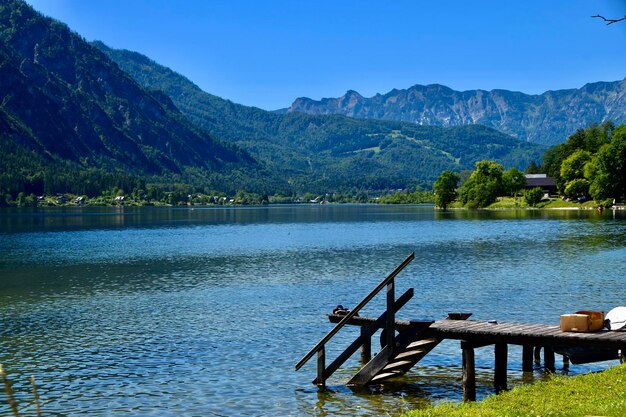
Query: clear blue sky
[267, 53]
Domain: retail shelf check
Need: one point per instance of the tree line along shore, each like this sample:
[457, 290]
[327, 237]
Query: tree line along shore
[589, 166]
[589, 170]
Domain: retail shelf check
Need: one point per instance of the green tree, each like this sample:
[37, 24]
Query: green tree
[573, 167]
[607, 172]
[590, 140]
[533, 168]
[573, 170]
[24, 200]
[483, 186]
[576, 188]
[597, 136]
[513, 181]
[445, 188]
[552, 159]
[533, 196]
[20, 201]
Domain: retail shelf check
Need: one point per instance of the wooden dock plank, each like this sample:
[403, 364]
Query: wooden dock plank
[521, 334]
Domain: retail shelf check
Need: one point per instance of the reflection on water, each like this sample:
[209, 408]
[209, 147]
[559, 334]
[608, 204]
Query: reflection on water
[150, 311]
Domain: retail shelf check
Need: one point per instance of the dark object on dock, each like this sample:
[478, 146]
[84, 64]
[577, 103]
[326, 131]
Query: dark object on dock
[341, 311]
[459, 316]
[415, 339]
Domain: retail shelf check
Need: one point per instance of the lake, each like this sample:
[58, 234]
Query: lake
[205, 311]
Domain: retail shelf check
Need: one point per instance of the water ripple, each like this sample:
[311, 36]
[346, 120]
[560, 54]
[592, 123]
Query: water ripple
[206, 313]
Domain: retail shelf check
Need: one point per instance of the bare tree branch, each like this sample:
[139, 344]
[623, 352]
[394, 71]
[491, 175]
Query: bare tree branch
[609, 21]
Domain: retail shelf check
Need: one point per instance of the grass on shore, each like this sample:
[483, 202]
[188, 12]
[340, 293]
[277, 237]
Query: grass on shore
[597, 394]
[520, 203]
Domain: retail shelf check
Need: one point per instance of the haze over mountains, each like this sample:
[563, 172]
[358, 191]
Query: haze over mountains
[68, 108]
[548, 118]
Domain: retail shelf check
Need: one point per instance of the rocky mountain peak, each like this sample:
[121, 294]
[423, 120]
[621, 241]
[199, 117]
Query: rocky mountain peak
[546, 118]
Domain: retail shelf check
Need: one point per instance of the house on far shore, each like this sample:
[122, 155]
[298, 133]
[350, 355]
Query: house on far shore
[547, 184]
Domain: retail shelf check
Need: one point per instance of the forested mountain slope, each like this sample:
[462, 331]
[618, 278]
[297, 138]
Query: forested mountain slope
[65, 106]
[329, 152]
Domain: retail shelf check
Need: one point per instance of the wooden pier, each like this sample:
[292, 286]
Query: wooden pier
[415, 339]
[475, 334]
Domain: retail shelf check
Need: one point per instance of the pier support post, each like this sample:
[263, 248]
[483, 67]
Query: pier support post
[366, 349]
[548, 359]
[538, 355]
[527, 358]
[500, 367]
[469, 372]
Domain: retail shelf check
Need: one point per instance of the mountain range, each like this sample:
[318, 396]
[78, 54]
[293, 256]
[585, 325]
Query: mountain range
[547, 118]
[323, 152]
[81, 116]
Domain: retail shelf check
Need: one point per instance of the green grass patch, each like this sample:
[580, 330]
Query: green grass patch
[456, 204]
[558, 203]
[509, 203]
[598, 394]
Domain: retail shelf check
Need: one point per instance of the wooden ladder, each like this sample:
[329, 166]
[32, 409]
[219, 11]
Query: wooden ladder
[411, 347]
[383, 367]
[399, 353]
[391, 363]
[386, 320]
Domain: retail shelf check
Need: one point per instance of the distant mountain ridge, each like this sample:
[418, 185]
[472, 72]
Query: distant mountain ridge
[547, 118]
[322, 152]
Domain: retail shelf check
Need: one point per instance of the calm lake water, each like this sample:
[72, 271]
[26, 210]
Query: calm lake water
[204, 312]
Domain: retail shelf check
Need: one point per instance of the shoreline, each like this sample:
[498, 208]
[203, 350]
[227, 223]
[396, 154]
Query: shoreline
[234, 205]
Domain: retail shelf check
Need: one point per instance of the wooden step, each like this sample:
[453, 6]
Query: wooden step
[411, 354]
[386, 375]
[384, 366]
[424, 343]
[397, 364]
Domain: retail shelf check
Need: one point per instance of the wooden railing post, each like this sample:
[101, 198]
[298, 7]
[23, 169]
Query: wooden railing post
[321, 367]
[366, 348]
[390, 326]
